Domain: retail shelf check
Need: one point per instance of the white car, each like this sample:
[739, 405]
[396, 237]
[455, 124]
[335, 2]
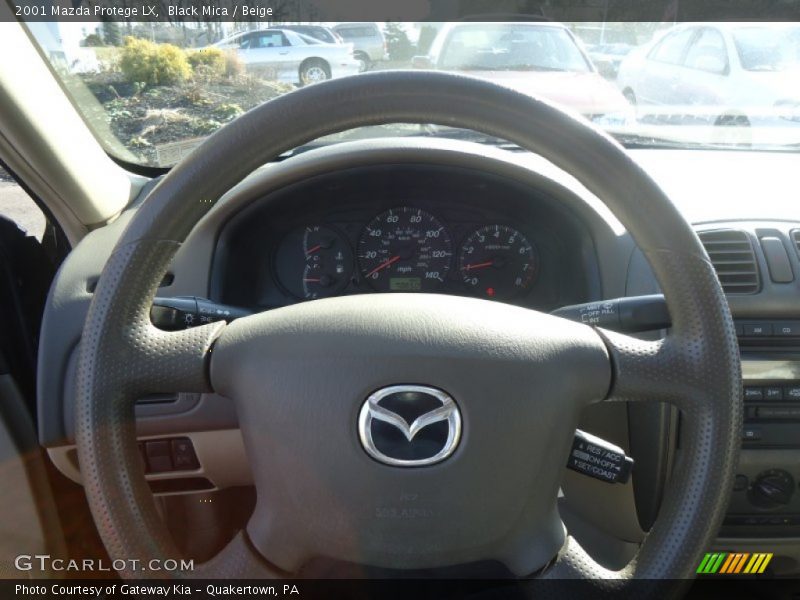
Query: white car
[538, 58]
[734, 74]
[368, 41]
[292, 57]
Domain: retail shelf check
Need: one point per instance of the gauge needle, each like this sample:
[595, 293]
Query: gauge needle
[314, 249]
[488, 263]
[383, 265]
[312, 279]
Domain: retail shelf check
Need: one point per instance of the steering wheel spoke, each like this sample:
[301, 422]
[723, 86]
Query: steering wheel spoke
[238, 560]
[132, 357]
[664, 370]
[172, 361]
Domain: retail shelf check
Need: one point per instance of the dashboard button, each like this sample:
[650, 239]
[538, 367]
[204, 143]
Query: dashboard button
[773, 393]
[779, 412]
[786, 329]
[753, 393]
[143, 456]
[751, 434]
[757, 329]
[159, 459]
[792, 392]
[183, 456]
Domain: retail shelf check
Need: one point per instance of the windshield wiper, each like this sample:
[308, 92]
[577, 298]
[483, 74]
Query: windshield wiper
[528, 67]
[473, 67]
[466, 135]
[639, 140]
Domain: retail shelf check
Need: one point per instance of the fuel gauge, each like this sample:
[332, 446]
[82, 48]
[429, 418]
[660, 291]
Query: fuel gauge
[314, 262]
[328, 262]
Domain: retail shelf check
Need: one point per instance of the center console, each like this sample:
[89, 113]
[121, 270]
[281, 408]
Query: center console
[766, 500]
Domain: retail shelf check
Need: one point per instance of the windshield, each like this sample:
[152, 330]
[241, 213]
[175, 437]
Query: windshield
[152, 92]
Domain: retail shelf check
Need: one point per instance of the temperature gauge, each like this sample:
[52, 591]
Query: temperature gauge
[314, 262]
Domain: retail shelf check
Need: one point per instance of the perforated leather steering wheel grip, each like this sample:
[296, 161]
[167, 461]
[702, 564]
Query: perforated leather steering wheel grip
[696, 367]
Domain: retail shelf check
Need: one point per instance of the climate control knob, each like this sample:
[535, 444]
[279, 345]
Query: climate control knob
[772, 489]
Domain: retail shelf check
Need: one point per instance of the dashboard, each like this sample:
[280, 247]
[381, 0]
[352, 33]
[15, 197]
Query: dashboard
[409, 228]
[457, 218]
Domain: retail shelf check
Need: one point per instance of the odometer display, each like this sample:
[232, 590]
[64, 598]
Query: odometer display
[405, 249]
[497, 261]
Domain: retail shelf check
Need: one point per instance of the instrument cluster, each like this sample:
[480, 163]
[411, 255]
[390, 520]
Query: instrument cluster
[406, 249]
[404, 228]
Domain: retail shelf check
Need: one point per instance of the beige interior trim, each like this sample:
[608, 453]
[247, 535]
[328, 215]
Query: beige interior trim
[45, 142]
[221, 454]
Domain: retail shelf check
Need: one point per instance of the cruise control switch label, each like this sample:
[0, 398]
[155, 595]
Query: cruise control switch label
[598, 458]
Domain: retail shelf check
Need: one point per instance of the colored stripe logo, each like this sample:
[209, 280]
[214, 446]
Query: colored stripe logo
[734, 563]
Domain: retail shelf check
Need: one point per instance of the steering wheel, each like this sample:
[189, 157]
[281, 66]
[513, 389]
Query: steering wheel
[303, 376]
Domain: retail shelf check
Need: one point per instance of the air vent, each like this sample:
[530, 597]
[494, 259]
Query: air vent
[732, 255]
[796, 240]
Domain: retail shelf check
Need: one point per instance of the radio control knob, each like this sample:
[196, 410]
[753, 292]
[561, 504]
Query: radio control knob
[772, 489]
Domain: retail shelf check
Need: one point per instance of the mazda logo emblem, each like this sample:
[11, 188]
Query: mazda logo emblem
[409, 425]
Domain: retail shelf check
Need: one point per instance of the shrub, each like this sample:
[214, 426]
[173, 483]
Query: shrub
[234, 67]
[397, 42]
[93, 40]
[195, 94]
[206, 126]
[210, 61]
[228, 112]
[172, 66]
[153, 64]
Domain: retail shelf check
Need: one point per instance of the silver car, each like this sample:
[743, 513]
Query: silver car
[292, 57]
[369, 44]
[734, 74]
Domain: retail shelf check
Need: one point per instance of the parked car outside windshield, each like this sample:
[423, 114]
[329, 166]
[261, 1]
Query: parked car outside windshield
[292, 57]
[734, 74]
[708, 85]
[534, 58]
[318, 32]
[368, 41]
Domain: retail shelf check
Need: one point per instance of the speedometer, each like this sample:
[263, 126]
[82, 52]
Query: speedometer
[404, 250]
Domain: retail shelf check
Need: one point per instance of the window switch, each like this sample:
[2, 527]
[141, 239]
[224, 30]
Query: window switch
[159, 459]
[183, 456]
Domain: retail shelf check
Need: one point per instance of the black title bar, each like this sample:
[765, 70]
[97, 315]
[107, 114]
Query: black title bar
[277, 11]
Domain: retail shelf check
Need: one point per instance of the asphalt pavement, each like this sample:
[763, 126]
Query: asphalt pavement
[16, 205]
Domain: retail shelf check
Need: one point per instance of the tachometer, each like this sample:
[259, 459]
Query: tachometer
[404, 250]
[497, 261]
